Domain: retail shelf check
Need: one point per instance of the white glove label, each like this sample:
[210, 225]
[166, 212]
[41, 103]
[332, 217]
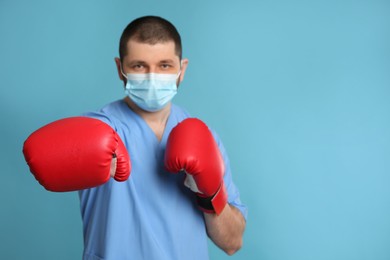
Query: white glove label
[190, 183]
[113, 167]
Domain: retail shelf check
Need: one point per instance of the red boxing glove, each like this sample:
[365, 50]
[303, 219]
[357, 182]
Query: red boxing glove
[191, 148]
[76, 153]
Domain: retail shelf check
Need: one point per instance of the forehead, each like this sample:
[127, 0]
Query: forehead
[150, 52]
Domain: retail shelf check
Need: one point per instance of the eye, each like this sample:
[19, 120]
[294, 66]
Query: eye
[166, 66]
[138, 67]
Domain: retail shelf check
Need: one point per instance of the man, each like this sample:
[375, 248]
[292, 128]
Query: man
[180, 190]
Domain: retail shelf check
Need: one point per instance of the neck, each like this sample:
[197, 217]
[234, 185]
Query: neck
[156, 120]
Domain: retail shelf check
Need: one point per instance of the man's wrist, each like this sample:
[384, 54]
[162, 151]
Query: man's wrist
[215, 203]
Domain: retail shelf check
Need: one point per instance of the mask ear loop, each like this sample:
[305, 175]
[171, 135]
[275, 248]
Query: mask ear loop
[179, 73]
[123, 74]
[178, 81]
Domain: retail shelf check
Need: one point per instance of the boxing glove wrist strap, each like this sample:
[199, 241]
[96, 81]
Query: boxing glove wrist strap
[213, 204]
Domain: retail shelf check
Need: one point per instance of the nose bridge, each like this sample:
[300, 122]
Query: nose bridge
[153, 69]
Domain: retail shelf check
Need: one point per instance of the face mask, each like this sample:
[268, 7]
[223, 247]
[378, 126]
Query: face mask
[151, 91]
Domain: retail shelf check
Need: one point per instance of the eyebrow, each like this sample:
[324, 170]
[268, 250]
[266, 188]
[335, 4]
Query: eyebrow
[167, 61]
[133, 62]
[130, 63]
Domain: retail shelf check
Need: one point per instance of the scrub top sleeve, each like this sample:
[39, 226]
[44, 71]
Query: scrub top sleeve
[233, 192]
[102, 117]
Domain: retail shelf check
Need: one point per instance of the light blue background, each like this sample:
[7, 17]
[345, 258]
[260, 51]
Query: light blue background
[298, 90]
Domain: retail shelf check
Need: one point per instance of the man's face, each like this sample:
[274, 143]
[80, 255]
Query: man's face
[146, 58]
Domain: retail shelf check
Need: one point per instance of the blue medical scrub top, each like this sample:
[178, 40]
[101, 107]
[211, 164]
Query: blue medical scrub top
[152, 215]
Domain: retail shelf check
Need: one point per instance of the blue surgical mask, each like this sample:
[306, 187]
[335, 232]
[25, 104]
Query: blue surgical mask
[151, 91]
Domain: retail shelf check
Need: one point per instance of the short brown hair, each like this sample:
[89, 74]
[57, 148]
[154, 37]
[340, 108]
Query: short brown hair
[151, 30]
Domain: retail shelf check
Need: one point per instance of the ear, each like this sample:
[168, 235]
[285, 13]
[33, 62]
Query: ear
[119, 68]
[184, 64]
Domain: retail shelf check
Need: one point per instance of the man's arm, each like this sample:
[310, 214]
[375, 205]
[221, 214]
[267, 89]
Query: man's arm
[226, 229]
[192, 148]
